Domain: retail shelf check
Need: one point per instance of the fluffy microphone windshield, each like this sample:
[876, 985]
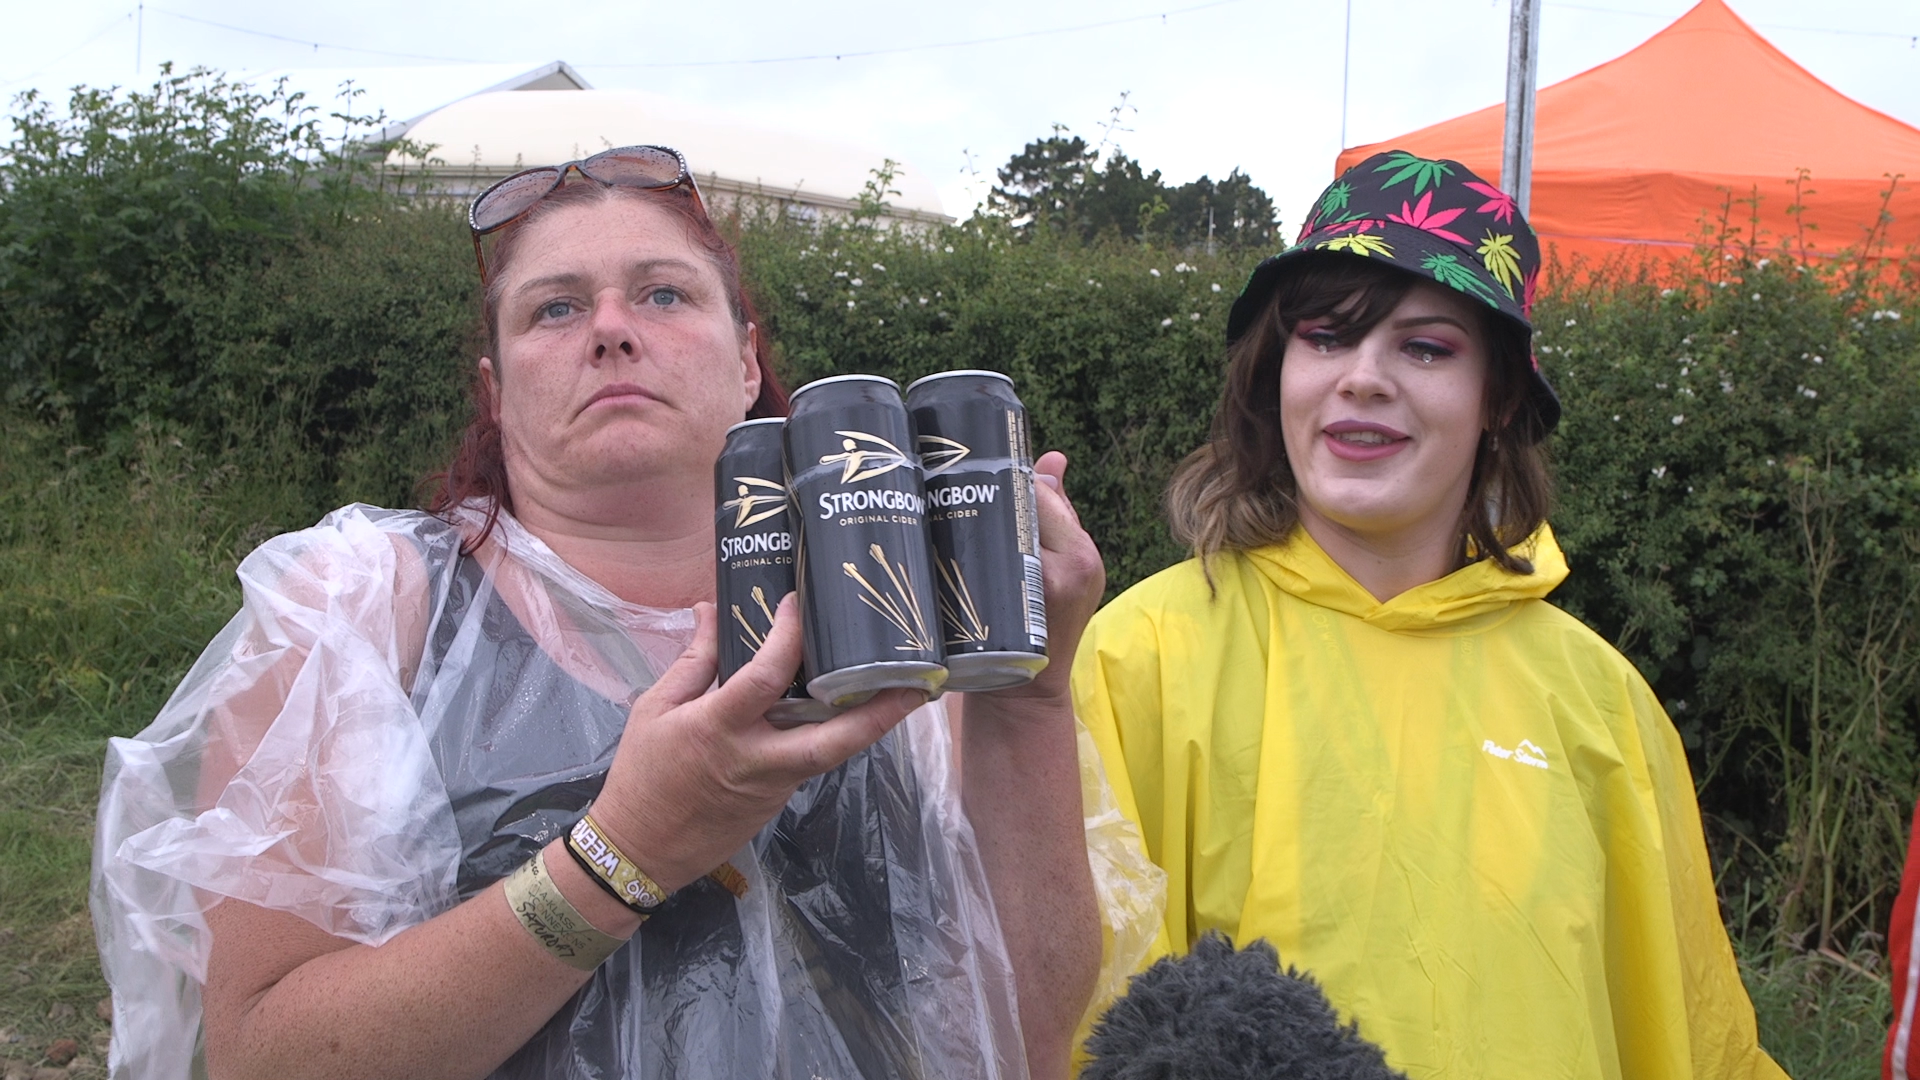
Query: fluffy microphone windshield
[1221, 1014]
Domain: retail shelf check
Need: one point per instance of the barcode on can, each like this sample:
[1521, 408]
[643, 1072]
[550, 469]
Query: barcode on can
[1034, 588]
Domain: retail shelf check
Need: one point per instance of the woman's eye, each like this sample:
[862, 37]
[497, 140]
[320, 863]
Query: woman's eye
[1320, 337]
[664, 297]
[556, 309]
[1427, 351]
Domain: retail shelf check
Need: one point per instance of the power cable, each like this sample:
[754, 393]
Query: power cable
[849, 54]
[315, 45]
[55, 62]
[856, 54]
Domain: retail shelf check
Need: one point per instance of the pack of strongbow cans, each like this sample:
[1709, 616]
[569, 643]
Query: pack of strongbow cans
[907, 527]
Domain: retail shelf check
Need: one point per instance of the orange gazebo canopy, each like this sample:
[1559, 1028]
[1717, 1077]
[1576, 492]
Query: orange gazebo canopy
[1642, 151]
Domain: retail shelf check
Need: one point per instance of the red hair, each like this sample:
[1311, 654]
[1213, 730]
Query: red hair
[478, 471]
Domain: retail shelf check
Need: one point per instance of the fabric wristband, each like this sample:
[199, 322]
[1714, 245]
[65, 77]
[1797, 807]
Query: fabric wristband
[551, 918]
[615, 872]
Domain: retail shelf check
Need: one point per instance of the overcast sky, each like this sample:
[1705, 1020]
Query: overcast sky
[1253, 84]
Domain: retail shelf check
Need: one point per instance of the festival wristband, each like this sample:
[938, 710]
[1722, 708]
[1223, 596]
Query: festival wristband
[551, 918]
[615, 872]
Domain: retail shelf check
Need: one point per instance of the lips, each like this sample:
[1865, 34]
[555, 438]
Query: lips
[619, 394]
[1358, 440]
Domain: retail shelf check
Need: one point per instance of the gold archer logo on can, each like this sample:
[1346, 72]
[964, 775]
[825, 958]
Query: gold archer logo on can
[757, 501]
[864, 456]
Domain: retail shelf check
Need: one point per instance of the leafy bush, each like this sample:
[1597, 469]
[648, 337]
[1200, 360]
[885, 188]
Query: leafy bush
[199, 255]
[1740, 490]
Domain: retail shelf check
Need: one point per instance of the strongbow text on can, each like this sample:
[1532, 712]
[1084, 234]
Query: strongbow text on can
[864, 564]
[753, 526]
[971, 432]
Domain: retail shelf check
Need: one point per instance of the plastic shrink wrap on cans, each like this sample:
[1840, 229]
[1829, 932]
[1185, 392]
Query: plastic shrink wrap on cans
[386, 727]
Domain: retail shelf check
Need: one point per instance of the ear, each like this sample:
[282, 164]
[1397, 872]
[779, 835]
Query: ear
[491, 380]
[750, 367]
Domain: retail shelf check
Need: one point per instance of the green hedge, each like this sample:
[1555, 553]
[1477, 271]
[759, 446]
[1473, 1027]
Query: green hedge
[1739, 464]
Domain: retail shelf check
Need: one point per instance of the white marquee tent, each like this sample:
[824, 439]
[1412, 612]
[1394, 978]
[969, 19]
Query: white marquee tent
[481, 124]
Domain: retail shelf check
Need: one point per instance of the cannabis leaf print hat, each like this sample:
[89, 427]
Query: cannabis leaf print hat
[1430, 217]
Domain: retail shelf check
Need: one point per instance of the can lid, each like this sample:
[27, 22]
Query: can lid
[757, 420]
[962, 371]
[841, 379]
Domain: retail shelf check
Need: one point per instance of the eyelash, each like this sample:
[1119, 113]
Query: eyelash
[1424, 351]
[545, 311]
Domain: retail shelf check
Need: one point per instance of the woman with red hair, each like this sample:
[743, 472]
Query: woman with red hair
[453, 795]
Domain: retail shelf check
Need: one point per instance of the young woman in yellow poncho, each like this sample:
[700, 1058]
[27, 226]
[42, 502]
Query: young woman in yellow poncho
[1353, 725]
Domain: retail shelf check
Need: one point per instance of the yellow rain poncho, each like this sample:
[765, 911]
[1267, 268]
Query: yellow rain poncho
[1461, 810]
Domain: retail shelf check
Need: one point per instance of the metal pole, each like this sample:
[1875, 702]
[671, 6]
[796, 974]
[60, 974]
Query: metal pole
[1523, 57]
[1346, 63]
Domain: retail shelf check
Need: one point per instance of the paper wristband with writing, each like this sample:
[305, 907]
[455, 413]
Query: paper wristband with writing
[546, 913]
[613, 870]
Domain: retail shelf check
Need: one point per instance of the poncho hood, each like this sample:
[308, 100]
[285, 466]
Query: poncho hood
[1301, 567]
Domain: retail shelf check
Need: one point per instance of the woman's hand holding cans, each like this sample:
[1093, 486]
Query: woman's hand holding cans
[699, 771]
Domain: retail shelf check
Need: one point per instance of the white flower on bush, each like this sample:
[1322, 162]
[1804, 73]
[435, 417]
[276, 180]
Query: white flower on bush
[1886, 314]
[850, 304]
[1756, 298]
[1195, 316]
[1659, 471]
[1807, 392]
[949, 249]
[1166, 322]
[856, 283]
[1678, 420]
[1183, 268]
[923, 301]
[1573, 322]
[839, 273]
[1154, 272]
[1216, 286]
[880, 268]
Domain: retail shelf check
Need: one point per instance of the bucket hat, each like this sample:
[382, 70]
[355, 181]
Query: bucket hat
[1431, 217]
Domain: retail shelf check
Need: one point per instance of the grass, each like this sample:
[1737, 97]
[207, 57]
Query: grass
[116, 567]
[1823, 1016]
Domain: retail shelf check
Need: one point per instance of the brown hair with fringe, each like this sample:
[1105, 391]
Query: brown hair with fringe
[478, 470]
[1237, 491]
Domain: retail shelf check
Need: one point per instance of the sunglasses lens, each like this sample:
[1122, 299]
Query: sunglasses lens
[634, 166]
[513, 197]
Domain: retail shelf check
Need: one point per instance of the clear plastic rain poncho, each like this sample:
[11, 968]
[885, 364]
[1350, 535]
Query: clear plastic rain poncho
[387, 727]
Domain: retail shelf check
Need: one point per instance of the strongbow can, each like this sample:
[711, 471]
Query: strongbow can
[863, 561]
[971, 433]
[753, 526]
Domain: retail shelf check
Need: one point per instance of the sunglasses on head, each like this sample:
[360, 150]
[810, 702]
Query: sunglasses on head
[649, 168]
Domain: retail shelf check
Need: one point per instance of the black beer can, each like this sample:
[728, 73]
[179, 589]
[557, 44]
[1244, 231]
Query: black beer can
[864, 564]
[971, 433]
[753, 526]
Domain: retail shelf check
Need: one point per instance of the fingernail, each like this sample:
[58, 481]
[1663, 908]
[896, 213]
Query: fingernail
[1050, 480]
